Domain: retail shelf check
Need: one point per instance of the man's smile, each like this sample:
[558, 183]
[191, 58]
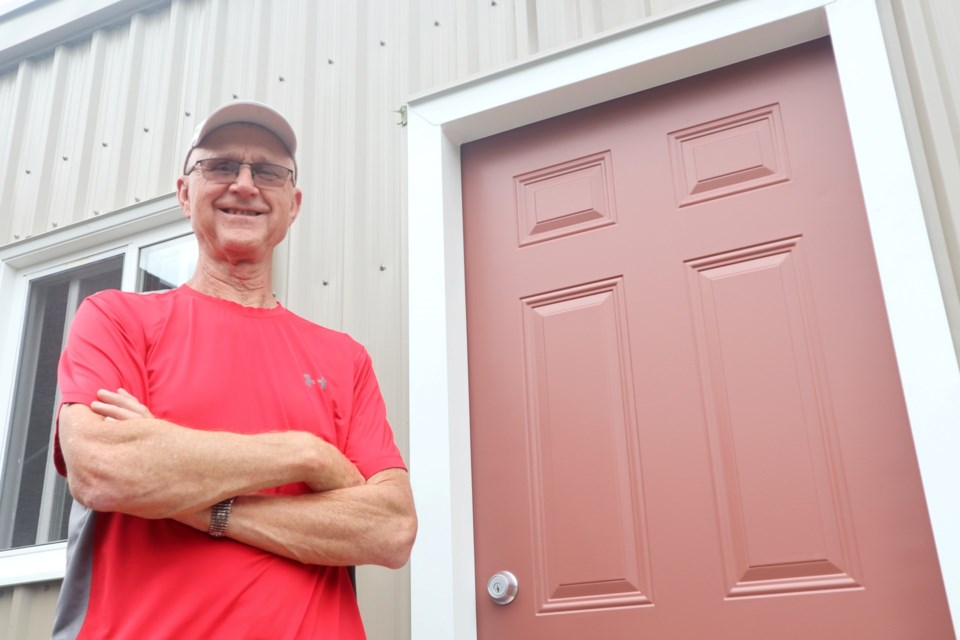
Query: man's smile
[241, 212]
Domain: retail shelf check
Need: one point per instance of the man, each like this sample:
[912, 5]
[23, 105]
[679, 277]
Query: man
[229, 460]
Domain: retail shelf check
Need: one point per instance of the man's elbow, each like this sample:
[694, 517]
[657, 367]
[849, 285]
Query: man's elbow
[397, 551]
[96, 489]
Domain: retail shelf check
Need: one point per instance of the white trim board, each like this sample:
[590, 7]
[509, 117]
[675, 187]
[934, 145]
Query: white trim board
[443, 584]
[35, 27]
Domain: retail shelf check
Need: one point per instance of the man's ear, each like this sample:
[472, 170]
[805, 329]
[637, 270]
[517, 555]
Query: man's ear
[297, 200]
[183, 195]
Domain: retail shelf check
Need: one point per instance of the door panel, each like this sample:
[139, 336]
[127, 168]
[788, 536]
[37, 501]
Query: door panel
[685, 409]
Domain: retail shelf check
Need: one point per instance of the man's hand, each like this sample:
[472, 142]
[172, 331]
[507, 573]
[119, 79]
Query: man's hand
[335, 471]
[119, 405]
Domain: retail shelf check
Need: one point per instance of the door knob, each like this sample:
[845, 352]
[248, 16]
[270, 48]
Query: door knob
[502, 587]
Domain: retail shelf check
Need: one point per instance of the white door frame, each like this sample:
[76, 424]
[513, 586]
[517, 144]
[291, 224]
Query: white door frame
[443, 584]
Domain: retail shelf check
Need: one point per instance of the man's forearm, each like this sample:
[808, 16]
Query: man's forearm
[374, 523]
[153, 468]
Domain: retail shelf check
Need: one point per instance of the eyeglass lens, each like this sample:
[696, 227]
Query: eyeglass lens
[265, 174]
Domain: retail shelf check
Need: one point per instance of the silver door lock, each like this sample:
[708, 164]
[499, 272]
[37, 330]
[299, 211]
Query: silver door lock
[502, 587]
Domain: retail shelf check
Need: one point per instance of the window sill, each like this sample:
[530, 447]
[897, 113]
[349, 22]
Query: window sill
[33, 564]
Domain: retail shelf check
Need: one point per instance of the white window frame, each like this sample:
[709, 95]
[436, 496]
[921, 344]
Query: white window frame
[443, 581]
[123, 232]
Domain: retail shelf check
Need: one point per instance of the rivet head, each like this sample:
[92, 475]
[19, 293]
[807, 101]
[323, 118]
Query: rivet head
[136, 199]
[186, 113]
[103, 144]
[96, 212]
[329, 60]
[382, 43]
[235, 96]
[53, 224]
[16, 236]
[325, 283]
[28, 171]
[146, 129]
[65, 158]
[382, 268]
[282, 78]
[436, 23]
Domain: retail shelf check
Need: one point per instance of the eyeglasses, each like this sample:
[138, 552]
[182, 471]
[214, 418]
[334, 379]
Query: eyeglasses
[225, 171]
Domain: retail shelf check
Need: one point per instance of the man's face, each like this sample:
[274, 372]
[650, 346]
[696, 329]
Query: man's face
[240, 221]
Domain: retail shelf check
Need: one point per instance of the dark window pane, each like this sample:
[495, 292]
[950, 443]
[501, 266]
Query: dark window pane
[35, 502]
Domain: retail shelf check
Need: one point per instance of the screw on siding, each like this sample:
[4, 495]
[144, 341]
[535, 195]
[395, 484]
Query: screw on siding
[146, 129]
[382, 268]
[53, 224]
[136, 199]
[235, 96]
[96, 212]
[493, 3]
[16, 236]
[103, 144]
[65, 158]
[28, 171]
[325, 283]
[382, 43]
[329, 60]
[186, 113]
[436, 23]
[282, 78]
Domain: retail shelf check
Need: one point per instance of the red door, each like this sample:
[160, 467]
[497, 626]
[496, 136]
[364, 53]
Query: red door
[686, 415]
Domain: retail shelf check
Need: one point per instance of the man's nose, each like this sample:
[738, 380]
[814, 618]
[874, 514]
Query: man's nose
[244, 184]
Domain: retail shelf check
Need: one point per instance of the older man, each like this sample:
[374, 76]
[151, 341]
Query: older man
[229, 459]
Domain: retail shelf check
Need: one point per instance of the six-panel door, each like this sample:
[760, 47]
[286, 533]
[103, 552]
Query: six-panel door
[685, 408]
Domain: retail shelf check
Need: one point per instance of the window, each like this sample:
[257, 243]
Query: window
[34, 501]
[45, 280]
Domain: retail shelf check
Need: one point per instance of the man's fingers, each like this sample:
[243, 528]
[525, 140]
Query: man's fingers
[111, 411]
[120, 405]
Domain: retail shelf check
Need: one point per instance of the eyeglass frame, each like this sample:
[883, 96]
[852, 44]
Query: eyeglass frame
[291, 173]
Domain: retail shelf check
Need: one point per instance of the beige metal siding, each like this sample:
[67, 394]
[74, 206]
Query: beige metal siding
[100, 123]
[26, 611]
[924, 39]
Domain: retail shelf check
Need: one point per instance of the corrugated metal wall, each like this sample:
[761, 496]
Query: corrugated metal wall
[100, 123]
[924, 37]
[26, 611]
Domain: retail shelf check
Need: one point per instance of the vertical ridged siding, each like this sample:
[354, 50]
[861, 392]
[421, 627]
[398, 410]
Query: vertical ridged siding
[927, 72]
[26, 611]
[103, 121]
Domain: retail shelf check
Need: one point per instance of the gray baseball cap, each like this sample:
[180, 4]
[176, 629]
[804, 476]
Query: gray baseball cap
[246, 111]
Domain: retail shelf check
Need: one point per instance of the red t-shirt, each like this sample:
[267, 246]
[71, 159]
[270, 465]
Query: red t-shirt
[207, 363]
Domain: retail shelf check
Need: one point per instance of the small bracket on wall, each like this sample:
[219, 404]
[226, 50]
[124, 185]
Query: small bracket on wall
[403, 115]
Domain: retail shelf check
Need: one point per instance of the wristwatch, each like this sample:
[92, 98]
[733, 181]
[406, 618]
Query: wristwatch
[220, 518]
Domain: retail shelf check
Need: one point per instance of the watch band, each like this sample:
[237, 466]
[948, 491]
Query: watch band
[220, 518]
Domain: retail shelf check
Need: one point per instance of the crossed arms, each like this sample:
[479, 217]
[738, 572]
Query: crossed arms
[154, 469]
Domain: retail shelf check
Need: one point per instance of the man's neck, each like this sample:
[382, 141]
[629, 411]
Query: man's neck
[249, 285]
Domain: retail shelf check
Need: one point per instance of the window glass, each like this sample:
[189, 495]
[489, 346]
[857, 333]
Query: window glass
[34, 498]
[35, 502]
[167, 265]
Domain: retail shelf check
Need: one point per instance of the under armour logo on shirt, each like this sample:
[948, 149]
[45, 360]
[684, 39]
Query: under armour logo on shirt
[310, 381]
